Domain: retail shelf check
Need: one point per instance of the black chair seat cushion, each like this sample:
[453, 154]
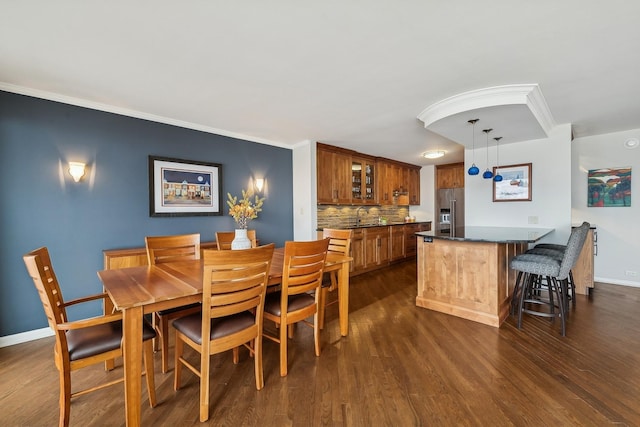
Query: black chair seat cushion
[296, 302]
[178, 309]
[87, 342]
[191, 325]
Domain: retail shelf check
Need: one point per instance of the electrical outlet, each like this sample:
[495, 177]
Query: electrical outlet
[533, 220]
[631, 273]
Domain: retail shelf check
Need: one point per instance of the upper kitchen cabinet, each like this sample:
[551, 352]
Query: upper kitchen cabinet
[450, 176]
[363, 178]
[334, 175]
[348, 177]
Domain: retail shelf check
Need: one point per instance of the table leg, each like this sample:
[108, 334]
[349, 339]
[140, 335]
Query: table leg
[343, 299]
[132, 356]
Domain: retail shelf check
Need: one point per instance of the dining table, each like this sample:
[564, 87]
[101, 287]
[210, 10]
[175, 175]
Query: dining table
[136, 291]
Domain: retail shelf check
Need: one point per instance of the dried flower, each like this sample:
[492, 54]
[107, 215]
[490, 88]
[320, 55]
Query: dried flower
[244, 210]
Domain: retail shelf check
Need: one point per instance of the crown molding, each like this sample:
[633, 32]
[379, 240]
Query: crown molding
[52, 96]
[521, 94]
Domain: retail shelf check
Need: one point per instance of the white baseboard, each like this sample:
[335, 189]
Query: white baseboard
[36, 334]
[617, 282]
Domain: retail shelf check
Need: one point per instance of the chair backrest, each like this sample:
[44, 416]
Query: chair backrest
[303, 266]
[574, 247]
[180, 247]
[39, 267]
[234, 282]
[224, 239]
[339, 240]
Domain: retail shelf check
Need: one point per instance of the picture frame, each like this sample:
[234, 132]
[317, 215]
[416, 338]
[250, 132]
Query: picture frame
[515, 185]
[179, 187]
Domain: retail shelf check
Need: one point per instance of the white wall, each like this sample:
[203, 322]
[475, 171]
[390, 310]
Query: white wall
[425, 211]
[550, 188]
[305, 218]
[617, 227]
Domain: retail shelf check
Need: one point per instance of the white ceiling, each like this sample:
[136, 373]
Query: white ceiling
[349, 73]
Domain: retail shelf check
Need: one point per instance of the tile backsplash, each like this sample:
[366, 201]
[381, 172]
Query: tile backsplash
[345, 216]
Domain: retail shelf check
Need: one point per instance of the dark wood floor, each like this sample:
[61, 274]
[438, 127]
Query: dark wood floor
[399, 366]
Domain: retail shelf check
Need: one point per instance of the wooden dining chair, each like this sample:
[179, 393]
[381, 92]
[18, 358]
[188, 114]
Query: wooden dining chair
[233, 291]
[298, 298]
[81, 343]
[339, 242]
[162, 249]
[224, 239]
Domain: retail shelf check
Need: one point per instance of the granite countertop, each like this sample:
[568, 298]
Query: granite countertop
[493, 234]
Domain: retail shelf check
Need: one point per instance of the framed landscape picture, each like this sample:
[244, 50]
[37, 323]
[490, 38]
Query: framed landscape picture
[609, 187]
[184, 187]
[515, 185]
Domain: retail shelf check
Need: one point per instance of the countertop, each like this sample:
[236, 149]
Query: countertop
[493, 234]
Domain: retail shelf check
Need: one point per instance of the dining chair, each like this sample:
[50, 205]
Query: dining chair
[224, 239]
[339, 242]
[162, 249]
[298, 298]
[233, 291]
[81, 343]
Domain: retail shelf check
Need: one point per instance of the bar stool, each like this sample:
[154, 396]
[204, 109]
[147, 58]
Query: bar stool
[534, 268]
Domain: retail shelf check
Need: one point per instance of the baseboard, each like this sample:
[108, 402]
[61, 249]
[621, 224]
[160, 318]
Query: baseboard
[617, 282]
[36, 334]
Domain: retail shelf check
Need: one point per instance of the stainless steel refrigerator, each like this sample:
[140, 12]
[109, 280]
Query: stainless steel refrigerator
[450, 210]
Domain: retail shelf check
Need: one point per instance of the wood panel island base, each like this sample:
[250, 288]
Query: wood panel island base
[468, 275]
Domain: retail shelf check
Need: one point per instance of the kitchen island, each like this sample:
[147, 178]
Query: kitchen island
[468, 275]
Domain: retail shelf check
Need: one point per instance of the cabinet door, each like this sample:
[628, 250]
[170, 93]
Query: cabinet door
[384, 247]
[397, 242]
[324, 173]
[334, 177]
[357, 251]
[370, 248]
[414, 186]
[450, 176]
[342, 178]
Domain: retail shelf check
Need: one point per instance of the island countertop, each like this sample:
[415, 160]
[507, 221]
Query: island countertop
[493, 234]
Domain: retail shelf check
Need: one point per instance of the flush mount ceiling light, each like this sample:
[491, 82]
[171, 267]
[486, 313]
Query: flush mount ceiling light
[631, 143]
[433, 154]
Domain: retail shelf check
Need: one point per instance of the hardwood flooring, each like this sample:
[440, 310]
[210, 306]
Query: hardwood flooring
[400, 366]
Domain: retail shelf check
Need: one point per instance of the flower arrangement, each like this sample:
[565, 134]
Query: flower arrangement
[245, 209]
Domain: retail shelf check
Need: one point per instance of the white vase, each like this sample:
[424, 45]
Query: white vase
[241, 241]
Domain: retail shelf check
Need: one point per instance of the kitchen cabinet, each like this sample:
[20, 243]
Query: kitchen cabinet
[414, 186]
[376, 246]
[397, 246]
[334, 176]
[410, 241]
[363, 179]
[450, 176]
[357, 250]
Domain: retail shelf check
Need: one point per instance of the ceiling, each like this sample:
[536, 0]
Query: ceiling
[355, 74]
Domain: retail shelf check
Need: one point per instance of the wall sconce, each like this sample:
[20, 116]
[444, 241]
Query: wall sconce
[259, 184]
[76, 170]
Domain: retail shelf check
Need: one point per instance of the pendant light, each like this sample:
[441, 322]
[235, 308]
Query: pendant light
[497, 177]
[487, 173]
[473, 170]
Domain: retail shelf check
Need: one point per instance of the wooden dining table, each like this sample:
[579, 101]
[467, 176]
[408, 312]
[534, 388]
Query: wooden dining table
[137, 291]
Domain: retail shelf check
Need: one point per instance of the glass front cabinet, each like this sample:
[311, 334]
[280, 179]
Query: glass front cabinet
[363, 181]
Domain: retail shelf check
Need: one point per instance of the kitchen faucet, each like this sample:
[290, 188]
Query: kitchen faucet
[358, 216]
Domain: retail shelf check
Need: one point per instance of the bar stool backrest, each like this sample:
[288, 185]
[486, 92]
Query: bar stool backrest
[574, 247]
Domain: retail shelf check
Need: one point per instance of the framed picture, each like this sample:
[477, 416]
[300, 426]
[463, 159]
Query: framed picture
[515, 185]
[184, 187]
[609, 187]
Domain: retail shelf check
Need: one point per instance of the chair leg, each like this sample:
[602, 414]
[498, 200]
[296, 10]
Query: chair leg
[515, 298]
[257, 361]
[322, 302]
[156, 326]
[65, 397]
[204, 384]
[149, 371]
[164, 343]
[316, 333]
[283, 350]
[236, 355]
[177, 370]
[561, 304]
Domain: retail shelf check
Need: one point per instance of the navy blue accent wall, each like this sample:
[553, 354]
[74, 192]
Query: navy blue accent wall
[109, 208]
